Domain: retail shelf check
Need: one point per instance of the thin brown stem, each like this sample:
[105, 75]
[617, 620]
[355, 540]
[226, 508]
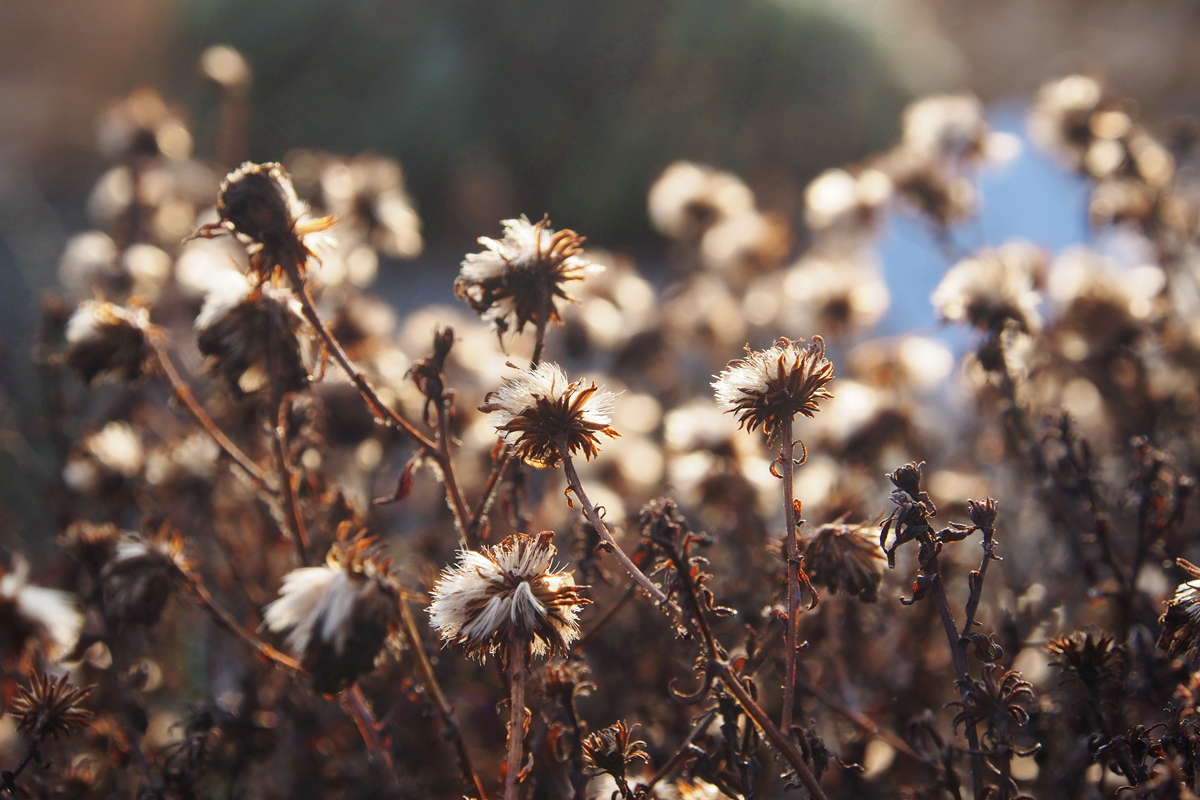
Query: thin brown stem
[862, 721]
[589, 511]
[449, 478]
[518, 654]
[290, 502]
[793, 576]
[184, 393]
[228, 622]
[538, 344]
[681, 753]
[490, 489]
[355, 704]
[9, 782]
[450, 728]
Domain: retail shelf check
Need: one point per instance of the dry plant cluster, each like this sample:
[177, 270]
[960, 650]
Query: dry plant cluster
[554, 543]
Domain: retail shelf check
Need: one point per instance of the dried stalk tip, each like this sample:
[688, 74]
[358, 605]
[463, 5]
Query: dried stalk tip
[513, 587]
[339, 615]
[544, 418]
[519, 280]
[49, 707]
[106, 340]
[612, 750]
[845, 558]
[769, 387]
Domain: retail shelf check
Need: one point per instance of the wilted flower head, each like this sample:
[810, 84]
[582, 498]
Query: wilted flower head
[770, 386]
[993, 287]
[544, 417]
[32, 612]
[946, 126]
[104, 339]
[845, 558]
[140, 576]
[49, 707]
[251, 333]
[339, 615]
[688, 199]
[994, 700]
[511, 588]
[520, 279]
[612, 750]
[1091, 657]
[106, 458]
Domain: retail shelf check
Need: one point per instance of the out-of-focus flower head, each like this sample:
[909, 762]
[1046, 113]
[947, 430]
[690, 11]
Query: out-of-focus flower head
[104, 339]
[113, 454]
[32, 613]
[614, 307]
[139, 578]
[994, 287]
[513, 588]
[1061, 119]
[142, 125]
[92, 265]
[1100, 304]
[544, 417]
[770, 386]
[338, 615]
[252, 334]
[831, 291]
[845, 558]
[50, 707]
[521, 279]
[90, 543]
[189, 461]
[841, 203]
[367, 193]
[226, 67]
[948, 127]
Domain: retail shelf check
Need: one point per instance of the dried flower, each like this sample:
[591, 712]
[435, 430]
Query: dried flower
[32, 612]
[104, 339]
[544, 417]
[1061, 119]
[49, 707]
[91, 544]
[513, 587]
[688, 199]
[339, 615]
[845, 558]
[993, 287]
[139, 578]
[994, 700]
[1092, 658]
[252, 333]
[770, 386]
[1181, 621]
[612, 749]
[519, 280]
[367, 192]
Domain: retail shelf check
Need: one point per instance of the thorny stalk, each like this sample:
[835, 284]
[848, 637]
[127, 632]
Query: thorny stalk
[518, 657]
[589, 511]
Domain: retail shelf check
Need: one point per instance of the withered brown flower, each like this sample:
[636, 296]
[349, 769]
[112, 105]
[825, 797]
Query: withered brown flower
[1092, 658]
[612, 750]
[770, 386]
[544, 417]
[104, 339]
[139, 578]
[50, 707]
[1181, 621]
[845, 558]
[994, 700]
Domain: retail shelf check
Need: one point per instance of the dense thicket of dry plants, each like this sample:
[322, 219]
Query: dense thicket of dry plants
[551, 542]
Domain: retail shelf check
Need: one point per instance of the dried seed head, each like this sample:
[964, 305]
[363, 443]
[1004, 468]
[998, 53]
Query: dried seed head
[107, 340]
[141, 575]
[32, 612]
[519, 280]
[994, 287]
[91, 544]
[513, 587]
[49, 707]
[1091, 657]
[251, 333]
[565, 679]
[845, 558]
[994, 700]
[339, 615]
[544, 417]
[1181, 621]
[612, 750]
[770, 386]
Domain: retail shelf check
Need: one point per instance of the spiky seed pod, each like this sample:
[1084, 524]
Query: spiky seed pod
[770, 386]
[50, 707]
[338, 616]
[612, 750]
[845, 558]
[994, 700]
[1092, 658]
[1181, 621]
[519, 280]
[511, 587]
[543, 417]
[106, 340]
[141, 575]
[32, 612]
[250, 333]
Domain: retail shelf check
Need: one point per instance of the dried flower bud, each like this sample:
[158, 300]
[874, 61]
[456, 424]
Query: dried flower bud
[845, 558]
[107, 340]
[907, 478]
[983, 512]
[544, 418]
[770, 386]
[519, 280]
[49, 707]
[513, 587]
[139, 578]
[252, 333]
[612, 750]
[32, 612]
[339, 615]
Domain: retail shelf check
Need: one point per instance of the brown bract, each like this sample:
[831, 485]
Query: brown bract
[49, 707]
[770, 386]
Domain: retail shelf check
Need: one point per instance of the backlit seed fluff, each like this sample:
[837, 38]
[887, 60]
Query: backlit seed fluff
[32, 612]
[1180, 623]
[993, 287]
[104, 339]
[519, 280]
[338, 616]
[770, 386]
[544, 417]
[511, 588]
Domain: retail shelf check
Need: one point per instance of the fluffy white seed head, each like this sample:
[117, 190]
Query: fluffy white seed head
[48, 615]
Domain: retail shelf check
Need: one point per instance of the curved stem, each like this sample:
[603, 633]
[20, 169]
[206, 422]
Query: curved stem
[290, 502]
[589, 511]
[518, 654]
[229, 623]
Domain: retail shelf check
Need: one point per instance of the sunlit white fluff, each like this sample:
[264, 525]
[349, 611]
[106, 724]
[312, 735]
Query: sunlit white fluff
[313, 601]
[49, 613]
